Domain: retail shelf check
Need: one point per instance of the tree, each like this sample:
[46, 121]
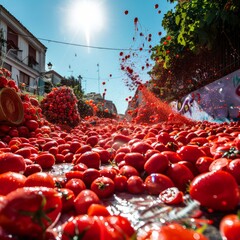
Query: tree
[75, 84]
[201, 45]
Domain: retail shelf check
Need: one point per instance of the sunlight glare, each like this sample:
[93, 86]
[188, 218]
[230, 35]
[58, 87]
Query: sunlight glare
[85, 16]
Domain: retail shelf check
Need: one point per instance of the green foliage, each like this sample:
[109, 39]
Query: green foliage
[200, 46]
[75, 84]
[195, 25]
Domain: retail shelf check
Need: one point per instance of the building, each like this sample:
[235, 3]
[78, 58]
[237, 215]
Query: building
[101, 102]
[22, 53]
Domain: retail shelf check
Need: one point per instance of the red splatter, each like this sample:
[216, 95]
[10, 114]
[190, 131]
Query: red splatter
[126, 12]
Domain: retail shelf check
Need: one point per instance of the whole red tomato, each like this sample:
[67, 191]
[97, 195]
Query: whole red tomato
[12, 162]
[10, 181]
[81, 227]
[89, 175]
[135, 185]
[223, 198]
[172, 231]
[84, 199]
[190, 153]
[32, 168]
[29, 211]
[120, 183]
[76, 185]
[135, 159]
[43, 179]
[67, 197]
[128, 171]
[103, 186]
[141, 147]
[32, 125]
[90, 158]
[203, 163]
[157, 182]
[234, 169]
[45, 159]
[122, 226]
[230, 227]
[180, 175]
[157, 163]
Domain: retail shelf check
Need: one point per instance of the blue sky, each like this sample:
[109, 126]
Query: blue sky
[106, 25]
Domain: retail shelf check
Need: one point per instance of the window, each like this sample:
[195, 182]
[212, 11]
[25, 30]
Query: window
[12, 39]
[24, 78]
[31, 56]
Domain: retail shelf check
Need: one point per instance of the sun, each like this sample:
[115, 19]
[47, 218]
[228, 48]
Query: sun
[85, 16]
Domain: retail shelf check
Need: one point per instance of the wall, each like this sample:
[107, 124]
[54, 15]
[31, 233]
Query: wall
[217, 101]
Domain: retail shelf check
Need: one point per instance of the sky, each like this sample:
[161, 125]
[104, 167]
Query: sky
[92, 37]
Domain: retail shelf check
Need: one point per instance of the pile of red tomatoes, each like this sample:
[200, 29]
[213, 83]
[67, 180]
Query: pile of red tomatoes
[100, 158]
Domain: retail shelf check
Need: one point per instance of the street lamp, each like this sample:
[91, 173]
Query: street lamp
[49, 66]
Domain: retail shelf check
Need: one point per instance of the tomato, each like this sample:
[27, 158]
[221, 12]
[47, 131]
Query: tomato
[221, 198]
[119, 157]
[74, 146]
[230, 227]
[83, 149]
[121, 138]
[128, 171]
[32, 168]
[180, 175]
[92, 140]
[90, 158]
[76, 185]
[97, 210]
[104, 154]
[50, 144]
[150, 152]
[29, 211]
[45, 159]
[80, 167]
[89, 175]
[121, 225]
[108, 171]
[40, 179]
[219, 164]
[172, 231]
[234, 169]
[103, 187]
[157, 182]
[157, 163]
[32, 125]
[10, 181]
[173, 157]
[12, 162]
[171, 196]
[135, 159]
[120, 183]
[190, 153]
[25, 152]
[135, 185]
[67, 197]
[74, 174]
[84, 199]
[141, 147]
[81, 227]
[164, 137]
[203, 163]
[198, 141]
